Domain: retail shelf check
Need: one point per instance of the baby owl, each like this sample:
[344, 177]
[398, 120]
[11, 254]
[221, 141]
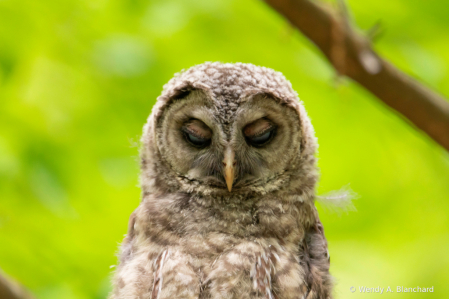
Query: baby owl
[228, 174]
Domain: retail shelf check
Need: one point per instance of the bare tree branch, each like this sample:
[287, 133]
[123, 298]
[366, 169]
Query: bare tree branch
[12, 290]
[351, 55]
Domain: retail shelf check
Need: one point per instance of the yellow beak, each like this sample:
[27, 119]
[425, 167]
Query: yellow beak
[229, 164]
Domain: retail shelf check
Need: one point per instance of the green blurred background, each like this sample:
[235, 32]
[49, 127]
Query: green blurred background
[78, 80]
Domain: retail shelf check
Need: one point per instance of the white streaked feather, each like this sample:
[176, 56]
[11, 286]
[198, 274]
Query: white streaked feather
[339, 201]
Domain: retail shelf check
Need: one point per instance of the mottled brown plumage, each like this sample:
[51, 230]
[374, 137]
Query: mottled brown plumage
[228, 174]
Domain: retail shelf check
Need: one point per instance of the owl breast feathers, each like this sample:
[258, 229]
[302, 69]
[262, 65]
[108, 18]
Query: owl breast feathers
[228, 174]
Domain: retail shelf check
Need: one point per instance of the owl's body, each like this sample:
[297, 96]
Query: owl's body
[228, 184]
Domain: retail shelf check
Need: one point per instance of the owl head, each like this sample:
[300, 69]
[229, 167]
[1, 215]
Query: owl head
[228, 129]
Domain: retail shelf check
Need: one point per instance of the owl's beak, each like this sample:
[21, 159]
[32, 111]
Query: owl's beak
[229, 165]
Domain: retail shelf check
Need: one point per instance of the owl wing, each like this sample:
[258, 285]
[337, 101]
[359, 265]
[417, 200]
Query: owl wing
[316, 261]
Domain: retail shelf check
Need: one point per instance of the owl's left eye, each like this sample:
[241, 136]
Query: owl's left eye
[261, 139]
[259, 132]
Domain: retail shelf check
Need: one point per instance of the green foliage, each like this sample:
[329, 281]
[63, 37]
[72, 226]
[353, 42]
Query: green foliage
[79, 78]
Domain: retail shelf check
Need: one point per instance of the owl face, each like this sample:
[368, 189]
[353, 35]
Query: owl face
[256, 143]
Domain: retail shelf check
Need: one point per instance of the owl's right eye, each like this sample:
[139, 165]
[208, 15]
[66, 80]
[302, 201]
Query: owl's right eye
[196, 140]
[197, 133]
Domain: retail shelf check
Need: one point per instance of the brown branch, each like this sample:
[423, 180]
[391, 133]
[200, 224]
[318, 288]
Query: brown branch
[12, 290]
[426, 109]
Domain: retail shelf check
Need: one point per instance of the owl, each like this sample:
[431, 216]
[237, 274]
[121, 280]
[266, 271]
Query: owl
[228, 174]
